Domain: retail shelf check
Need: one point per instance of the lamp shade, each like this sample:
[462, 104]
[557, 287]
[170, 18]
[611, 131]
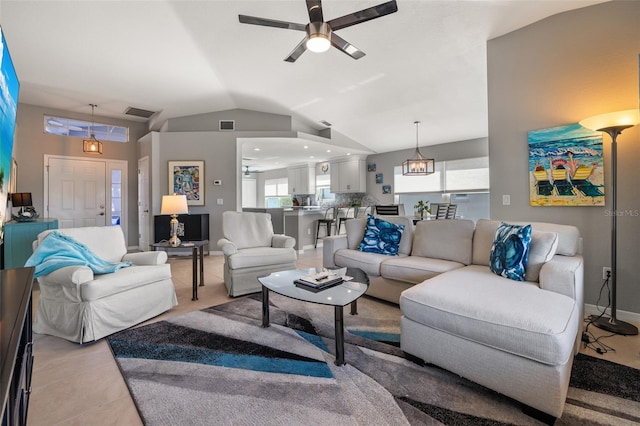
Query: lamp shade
[21, 199]
[174, 204]
[620, 119]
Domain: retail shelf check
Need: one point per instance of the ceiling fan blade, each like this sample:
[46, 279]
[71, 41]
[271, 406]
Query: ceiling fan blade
[315, 11]
[271, 23]
[299, 50]
[363, 15]
[346, 47]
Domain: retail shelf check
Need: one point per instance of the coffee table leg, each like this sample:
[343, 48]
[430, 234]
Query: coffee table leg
[339, 336]
[194, 273]
[354, 307]
[202, 266]
[265, 306]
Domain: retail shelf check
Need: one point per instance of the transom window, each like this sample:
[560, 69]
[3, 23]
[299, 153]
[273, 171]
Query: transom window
[83, 129]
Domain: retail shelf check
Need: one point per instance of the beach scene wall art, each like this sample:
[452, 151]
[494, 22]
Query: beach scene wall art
[566, 167]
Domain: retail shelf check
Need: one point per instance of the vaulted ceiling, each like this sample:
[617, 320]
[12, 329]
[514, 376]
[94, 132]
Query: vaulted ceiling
[425, 62]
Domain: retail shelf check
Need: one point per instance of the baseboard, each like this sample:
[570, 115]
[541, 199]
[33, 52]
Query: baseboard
[621, 315]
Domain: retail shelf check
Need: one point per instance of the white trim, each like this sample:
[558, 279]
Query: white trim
[621, 315]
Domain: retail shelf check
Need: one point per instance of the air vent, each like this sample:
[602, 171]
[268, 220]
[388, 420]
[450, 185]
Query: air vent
[139, 112]
[325, 122]
[227, 125]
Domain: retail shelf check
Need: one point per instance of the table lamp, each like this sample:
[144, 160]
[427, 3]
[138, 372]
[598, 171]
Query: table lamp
[174, 205]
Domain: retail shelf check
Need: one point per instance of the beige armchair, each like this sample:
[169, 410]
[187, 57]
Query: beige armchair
[82, 306]
[252, 250]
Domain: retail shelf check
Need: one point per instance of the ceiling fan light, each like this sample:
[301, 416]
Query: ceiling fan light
[319, 37]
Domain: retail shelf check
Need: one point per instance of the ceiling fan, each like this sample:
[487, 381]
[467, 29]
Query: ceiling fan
[320, 34]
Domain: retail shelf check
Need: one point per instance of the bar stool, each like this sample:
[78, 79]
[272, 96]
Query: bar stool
[350, 213]
[329, 221]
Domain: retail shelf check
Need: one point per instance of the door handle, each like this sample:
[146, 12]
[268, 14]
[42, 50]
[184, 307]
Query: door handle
[145, 211]
[101, 214]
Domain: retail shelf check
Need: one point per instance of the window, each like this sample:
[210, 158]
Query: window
[323, 189]
[469, 174]
[83, 129]
[116, 196]
[276, 193]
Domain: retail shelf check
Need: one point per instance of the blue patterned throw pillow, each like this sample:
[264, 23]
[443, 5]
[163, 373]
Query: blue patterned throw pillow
[510, 251]
[381, 237]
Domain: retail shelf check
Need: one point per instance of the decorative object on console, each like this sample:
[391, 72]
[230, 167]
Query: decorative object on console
[418, 166]
[185, 178]
[174, 205]
[510, 251]
[92, 145]
[320, 35]
[421, 207]
[26, 213]
[381, 237]
[613, 124]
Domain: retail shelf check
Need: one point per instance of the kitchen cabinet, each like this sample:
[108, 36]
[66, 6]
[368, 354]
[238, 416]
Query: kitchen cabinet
[348, 176]
[302, 179]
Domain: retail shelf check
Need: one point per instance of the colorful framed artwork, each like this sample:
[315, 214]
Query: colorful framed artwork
[566, 167]
[386, 189]
[186, 178]
[371, 167]
[379, 178]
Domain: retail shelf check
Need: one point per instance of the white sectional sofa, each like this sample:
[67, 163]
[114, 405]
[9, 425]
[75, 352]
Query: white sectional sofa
[515, 337]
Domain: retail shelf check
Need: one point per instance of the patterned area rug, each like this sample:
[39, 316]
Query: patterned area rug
[219, 366]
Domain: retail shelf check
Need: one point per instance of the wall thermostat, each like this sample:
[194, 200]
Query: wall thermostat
[217, 182]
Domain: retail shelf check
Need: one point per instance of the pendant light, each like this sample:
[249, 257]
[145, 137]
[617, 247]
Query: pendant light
[418, 166]
[92, 145]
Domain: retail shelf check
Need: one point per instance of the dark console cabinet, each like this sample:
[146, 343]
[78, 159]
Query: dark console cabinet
[16, 344]
[194, 227]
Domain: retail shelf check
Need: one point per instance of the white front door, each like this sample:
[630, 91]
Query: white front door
[143, 204]
[76, 192]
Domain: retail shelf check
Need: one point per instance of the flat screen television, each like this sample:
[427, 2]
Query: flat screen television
[9, 87]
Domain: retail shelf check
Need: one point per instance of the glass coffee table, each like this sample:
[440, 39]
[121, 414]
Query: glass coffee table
[338, 296]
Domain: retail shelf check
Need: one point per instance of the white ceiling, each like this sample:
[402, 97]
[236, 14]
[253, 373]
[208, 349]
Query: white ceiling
[425, 62]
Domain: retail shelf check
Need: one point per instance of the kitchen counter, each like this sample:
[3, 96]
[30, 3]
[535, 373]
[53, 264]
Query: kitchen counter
[300, 223]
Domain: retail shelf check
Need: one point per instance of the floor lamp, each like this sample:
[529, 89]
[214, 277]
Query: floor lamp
[174, 205]
[613, 124]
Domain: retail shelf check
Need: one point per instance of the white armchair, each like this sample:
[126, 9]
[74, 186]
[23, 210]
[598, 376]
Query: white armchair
[79, 306]
[252, 250]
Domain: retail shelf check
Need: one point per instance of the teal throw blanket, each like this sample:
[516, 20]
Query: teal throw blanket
[58, 250]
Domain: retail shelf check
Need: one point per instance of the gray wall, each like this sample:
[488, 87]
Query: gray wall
[32, 144]
[387, 161]
[556, 72]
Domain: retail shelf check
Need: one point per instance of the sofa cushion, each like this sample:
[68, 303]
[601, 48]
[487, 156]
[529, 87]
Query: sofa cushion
[415, 269]
[355, 232]
[444, 239]
[541, 250]
[510, 251]
[475, 304]
[369, 262]
[260, 256]
[381, 237]
[568, 238]
[247, 229]
[125, 279]
[106, 242]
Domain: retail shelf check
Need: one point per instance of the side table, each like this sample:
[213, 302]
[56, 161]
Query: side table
[197, 252]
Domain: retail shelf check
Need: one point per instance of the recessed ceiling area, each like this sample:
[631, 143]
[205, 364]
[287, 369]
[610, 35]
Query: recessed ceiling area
[263, 154]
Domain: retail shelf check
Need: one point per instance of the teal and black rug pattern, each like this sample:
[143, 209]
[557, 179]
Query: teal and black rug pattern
[218, 366]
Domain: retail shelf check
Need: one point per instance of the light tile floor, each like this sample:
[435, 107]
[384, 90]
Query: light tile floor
[81, 384]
